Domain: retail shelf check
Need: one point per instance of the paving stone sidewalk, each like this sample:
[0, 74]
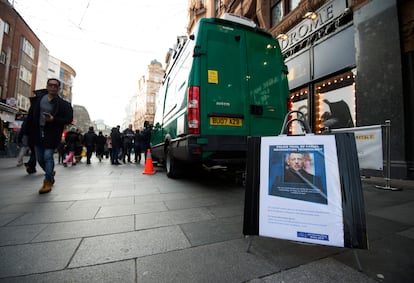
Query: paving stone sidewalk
[104, 223]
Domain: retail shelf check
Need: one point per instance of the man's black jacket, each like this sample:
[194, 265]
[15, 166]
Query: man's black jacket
[63, 115]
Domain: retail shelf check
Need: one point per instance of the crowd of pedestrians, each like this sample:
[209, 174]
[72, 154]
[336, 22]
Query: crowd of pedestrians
[124, 144]
[119, 146]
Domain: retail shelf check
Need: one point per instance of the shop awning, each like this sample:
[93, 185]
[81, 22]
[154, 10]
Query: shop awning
[7, 112]
[8, 108]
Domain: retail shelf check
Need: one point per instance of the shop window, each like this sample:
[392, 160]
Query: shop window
[298, 102]
[335, 103]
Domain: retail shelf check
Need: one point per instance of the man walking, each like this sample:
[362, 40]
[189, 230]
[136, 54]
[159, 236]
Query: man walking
[100, 146]
[137, 146]
[31, 164]
[48, 114]
[128, 139]
[89, 140]
[116, 141]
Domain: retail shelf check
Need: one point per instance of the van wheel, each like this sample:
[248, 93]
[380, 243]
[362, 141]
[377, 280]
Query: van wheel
[172, 166]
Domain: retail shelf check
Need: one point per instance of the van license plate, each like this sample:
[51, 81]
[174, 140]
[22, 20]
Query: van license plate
[226, 121]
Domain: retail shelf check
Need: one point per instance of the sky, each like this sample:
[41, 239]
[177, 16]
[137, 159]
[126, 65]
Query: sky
[108, 43]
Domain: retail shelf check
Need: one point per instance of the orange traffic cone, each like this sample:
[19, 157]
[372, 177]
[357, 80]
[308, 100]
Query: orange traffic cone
[149, 168]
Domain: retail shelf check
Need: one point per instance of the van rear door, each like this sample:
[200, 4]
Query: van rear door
[245, 84]
[224, 88]
[268, 84]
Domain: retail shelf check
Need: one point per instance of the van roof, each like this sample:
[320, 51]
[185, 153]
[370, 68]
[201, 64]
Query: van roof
[236, 24]
[238, 19]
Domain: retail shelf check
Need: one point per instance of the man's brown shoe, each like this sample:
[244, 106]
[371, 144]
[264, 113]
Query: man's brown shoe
[47, 187]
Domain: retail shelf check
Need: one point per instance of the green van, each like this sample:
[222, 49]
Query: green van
[226, 83]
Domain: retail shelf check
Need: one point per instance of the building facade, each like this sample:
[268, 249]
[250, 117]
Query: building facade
[350, 62]
[81, 118]
[144, 102]
[19, 57]
[67, 77]
[25, 63]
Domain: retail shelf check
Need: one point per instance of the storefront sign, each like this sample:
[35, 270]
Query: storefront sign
[326, 14]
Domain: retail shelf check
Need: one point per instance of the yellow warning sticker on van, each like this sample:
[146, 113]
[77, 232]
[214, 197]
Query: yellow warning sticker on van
[212, 77]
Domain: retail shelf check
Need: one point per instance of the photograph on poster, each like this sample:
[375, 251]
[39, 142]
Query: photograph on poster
[298, 172]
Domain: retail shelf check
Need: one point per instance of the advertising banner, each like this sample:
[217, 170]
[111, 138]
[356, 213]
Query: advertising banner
[369, 145]
[300, 192]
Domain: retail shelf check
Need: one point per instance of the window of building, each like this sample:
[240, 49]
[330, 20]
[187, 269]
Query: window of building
[25, 75]
[293, 4]
[28, 48]
[276, 9]
[217, 7]
[23, 102]
[6, 28]
[335, 102]
[280, 8]
[3, 57]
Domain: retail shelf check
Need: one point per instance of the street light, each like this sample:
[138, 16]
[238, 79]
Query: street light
[282, 36]
[311, 16]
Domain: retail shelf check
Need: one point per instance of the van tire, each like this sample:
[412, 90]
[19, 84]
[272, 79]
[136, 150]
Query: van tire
[172, 165]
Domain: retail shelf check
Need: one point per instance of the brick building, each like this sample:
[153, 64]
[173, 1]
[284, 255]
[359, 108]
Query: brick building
[18, 59]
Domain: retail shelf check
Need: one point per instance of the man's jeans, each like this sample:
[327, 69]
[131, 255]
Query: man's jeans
[46, 161]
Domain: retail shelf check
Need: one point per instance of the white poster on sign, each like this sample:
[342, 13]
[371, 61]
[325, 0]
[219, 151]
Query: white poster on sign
[300, 192]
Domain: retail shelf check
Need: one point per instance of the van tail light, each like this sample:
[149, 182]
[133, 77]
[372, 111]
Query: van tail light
[193, 110]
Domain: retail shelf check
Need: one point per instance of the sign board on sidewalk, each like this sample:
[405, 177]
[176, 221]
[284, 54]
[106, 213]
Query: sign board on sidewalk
[306, 189]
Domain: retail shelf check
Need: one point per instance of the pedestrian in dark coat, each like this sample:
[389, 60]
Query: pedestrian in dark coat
[89, 140]
[127, 143]
[146, 139]
[138, 146]
[116, 145]
[31, 164]
[100, 146]
[71, 140]
[46, 120]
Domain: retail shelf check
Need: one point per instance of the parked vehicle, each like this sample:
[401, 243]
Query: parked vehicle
[226, 83]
